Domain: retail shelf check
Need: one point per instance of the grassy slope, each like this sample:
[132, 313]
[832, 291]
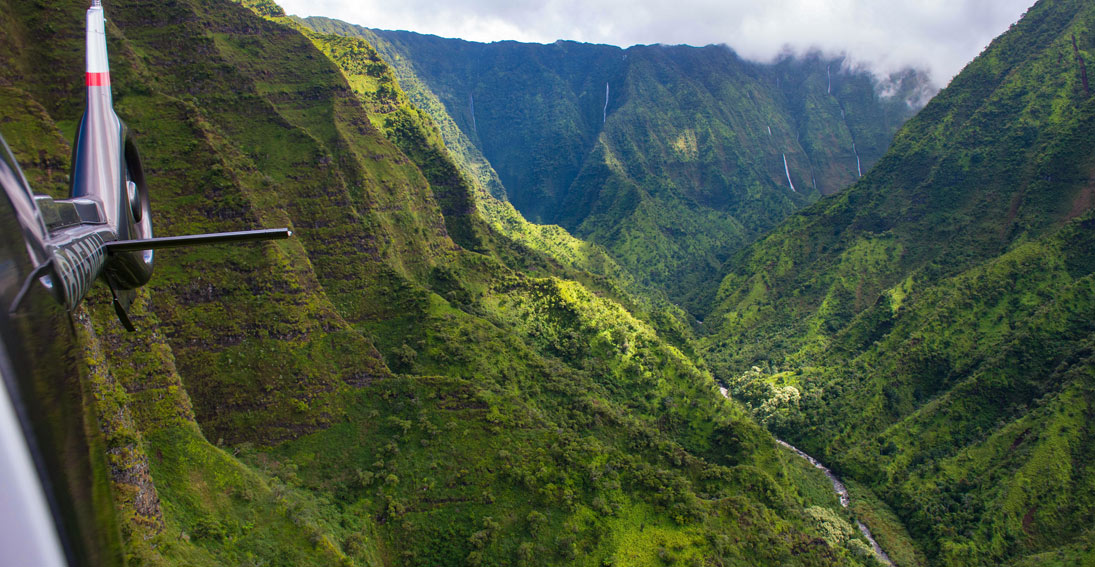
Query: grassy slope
[542, 249]
[490, 195]
[370, 392]
[681, 174]
[686, 172]
[935, 317]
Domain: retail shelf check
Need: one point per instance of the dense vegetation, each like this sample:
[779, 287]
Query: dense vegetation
[672, 158]
[419, 136]
[400, 384]
[929, 331]
[422, 377]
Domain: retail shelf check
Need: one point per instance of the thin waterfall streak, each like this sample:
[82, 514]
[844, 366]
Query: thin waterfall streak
[787, 170]
[604, 117]
[471, 106]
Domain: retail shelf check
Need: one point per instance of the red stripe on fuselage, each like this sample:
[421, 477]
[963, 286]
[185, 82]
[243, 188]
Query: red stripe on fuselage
[98, 79]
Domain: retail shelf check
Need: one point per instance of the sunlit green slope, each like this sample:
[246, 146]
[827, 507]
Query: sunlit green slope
[398, 384]
[670, 157]
[929, 330]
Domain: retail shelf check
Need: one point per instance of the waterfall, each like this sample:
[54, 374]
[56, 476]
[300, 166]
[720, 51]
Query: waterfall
[471, 106]
[788, 172]
[604, 117]
[858, 164]
[829, 78]
[769, 131]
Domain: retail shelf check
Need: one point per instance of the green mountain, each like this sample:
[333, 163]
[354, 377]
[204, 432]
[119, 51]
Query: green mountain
[400, 383]
[929, 330]
[421, 134]
[671, 157]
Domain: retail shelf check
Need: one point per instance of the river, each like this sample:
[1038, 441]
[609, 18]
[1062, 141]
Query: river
[839, 488]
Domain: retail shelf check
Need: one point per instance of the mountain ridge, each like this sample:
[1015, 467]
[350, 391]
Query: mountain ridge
[705, 172]
[398, 384]
[421, 376]
[933, 320]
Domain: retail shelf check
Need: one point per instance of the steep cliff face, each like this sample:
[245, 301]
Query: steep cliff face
[672, 158]
[399, 383]
[708, 152]
[934, 320]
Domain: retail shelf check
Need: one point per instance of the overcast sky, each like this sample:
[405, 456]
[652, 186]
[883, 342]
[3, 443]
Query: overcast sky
[938, 35]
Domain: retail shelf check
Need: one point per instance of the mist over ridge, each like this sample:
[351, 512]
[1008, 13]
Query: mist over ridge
[884, 37]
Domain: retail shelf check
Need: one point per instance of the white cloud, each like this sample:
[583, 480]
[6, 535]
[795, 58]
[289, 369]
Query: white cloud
[939, 35]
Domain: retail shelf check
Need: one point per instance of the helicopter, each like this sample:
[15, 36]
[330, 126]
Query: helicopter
[52, 510]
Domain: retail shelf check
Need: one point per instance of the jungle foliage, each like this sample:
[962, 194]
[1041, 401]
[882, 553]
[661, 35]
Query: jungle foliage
[670, 157]
[929, 330]
[400, 383]
[423, 377]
